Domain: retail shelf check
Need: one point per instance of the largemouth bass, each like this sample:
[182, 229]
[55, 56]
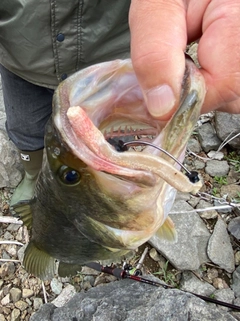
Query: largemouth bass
[93, 202]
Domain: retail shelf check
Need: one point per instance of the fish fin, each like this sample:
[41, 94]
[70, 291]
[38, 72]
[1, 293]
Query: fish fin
[22, 210]
[167, 231]
[68, 269]
[38, 262]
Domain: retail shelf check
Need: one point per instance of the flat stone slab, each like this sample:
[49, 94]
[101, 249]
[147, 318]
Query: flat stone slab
[189, 252]
[128, 300]
[220, 249]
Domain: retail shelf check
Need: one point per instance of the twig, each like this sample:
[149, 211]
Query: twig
[10, 220]
[44, 293]
[11, 242]
[9, 260]
[221, 207]
[196, 155]
[140, 262]
[226, 140]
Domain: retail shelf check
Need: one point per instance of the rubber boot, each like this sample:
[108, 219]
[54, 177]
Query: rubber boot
[32, 163]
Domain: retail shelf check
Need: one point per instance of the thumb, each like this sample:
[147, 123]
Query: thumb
[158, 41]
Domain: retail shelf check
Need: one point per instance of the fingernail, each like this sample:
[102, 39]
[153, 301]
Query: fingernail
[160, 100]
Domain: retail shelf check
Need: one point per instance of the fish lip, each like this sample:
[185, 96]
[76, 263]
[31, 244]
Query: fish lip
[65, 99]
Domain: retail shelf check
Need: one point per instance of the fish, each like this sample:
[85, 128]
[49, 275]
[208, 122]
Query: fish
[94, 200]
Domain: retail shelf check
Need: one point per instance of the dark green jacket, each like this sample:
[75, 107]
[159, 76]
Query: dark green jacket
[44, 41]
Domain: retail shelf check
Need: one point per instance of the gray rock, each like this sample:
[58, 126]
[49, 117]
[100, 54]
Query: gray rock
[234, 227]
[127, 300]
[221, 210]
[189, 252]
[193, 145]
[198, 164]
[228, 124]
[56, 286]
[66, 294]
[236, 281]
[215, 155]
[237, 302]
[217, 168]
[231, 190]
[220, 249]
[225, 295]
[10, 174]
[208, 137]
[191, 283]
[208, 214]
[37, 303]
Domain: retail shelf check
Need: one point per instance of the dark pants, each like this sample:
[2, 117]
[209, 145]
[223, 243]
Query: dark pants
[28, 108]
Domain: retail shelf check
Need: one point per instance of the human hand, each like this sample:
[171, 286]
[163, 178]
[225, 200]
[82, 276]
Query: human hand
[160, 30]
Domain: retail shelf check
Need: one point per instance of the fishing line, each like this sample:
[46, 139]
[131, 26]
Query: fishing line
[124, 274]
[192, 175]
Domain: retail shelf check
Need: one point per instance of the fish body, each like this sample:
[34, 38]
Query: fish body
[93, 202]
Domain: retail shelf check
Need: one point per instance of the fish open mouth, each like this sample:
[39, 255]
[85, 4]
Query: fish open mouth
[118, 129]
[103, 104]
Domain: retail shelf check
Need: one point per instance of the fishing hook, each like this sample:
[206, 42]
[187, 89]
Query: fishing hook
[192, 175]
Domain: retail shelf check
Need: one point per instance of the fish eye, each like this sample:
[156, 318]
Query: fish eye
[69, 176]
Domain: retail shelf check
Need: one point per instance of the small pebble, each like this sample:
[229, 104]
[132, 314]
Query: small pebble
[7, 236]
[219, 283]
[2, 318]
[56, 286]
[15, 294]
[217, 168]
[21, 305]
[199, 164]
[90, 279]
[15, 315]
[37, 303]
[212, 273]
[66, 294]
[237, 258]
[154, 255]
[6, 300]
[27, 293]
[12, 227]
[86, 285]
[215, 155]
[208, 214]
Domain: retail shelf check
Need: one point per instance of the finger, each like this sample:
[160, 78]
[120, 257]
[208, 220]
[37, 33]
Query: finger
[195, 12]
[158, 41]
[233, 107]
[219, 54]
